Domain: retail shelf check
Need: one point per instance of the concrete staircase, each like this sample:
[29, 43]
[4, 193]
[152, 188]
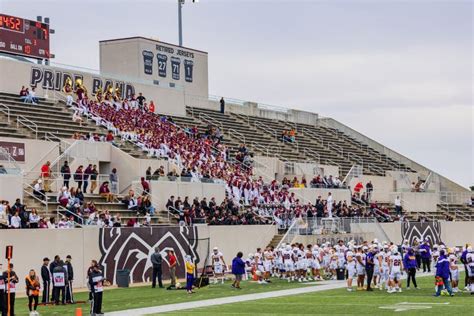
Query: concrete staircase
[276, 239]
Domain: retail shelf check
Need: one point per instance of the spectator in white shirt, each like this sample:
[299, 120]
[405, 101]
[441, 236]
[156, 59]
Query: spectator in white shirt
[329, 202]
[34, 218]
[51, 223]
[32, 96]
[398, 206]
[15, 221]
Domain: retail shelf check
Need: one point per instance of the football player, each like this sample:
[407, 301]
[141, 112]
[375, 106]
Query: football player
[396, 271]
[218, 264]
[267, 263]
[287, 255]
[360, 268]
[351, 268]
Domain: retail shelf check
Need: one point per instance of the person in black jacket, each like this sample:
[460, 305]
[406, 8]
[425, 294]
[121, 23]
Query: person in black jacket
[70, 278]
[46, 277]
[66, 173]
[156, 261]
[96, 279]
[59, 283]
[3, 308]
[13, 284]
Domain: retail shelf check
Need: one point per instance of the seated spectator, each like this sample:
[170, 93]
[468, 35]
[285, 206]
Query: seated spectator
[23, 93]
[76, 118]
[32, 96]
[104, 191]
[15, 220]
[38, 190]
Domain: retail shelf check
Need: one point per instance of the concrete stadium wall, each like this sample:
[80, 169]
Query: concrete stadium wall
[161, 190]
[129, 247]
[419, 201]
[232, 239]
[11, 187]
[36, 152]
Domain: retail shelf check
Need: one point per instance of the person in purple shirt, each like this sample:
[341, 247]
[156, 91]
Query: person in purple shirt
[442, 271]
[464, 262]
[409, 262]
[369, 267]
[238, 269]
[425, 252]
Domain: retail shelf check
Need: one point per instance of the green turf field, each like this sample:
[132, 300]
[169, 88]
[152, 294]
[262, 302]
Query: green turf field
[327, 302]
[341, 302]
[136, 297]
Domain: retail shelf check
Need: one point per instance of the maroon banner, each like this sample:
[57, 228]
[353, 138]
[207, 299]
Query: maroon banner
[16, 150]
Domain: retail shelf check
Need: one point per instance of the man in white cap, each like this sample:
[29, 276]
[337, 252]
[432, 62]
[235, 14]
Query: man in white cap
[218, 263]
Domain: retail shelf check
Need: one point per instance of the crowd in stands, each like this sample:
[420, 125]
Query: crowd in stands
[288, 136]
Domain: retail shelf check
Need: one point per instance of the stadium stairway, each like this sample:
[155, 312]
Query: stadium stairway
[276, 239]
[46, 119]
[160, 218]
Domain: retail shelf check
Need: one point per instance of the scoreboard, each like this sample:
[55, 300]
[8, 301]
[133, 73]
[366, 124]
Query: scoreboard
[24, 37]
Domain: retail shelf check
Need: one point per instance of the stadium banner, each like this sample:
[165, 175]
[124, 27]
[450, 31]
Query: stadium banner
[16, 150]
[50, 80]
[422, 231]
[130, 249]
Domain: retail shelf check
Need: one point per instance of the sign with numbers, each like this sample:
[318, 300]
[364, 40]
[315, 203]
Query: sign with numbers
[16, 150]
[175, 67]
[162, 63]
[188, 70]
[148, 62]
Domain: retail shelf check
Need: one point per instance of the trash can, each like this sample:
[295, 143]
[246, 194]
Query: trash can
[340, 274]
[123, 278]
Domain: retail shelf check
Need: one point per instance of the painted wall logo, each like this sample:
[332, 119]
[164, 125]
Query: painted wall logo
[50, 79]
[131, 248]
[430, 230]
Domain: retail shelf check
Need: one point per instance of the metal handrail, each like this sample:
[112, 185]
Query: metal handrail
[206, 118]
[20, 119]
[239, 135]
[6, 111]
[312, 153]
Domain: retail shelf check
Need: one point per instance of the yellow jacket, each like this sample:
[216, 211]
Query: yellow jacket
[189, 267]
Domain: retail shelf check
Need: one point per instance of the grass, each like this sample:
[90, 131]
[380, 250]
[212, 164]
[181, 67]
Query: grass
[338, 302]
[341, 302]
[145, 296]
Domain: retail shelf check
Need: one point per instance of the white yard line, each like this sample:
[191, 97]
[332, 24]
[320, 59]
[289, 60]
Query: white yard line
[228, 300]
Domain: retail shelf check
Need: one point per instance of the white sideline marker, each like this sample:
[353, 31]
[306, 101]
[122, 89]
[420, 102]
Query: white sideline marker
[406, 306]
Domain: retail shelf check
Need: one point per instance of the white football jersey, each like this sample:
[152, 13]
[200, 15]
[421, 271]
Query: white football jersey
[216, 258]
[396, 262]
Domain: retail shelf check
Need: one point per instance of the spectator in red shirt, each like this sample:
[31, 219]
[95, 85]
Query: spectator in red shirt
[172, 263]
[46, 174]
[145, 186]
[151, 107]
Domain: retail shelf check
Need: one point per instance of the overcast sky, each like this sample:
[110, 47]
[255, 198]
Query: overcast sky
[398, 71]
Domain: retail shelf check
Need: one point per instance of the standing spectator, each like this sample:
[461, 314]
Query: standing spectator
[96, 279]
[151, 107]
[425, 252]
[10, 283]
[32, 290]
[409, 262]
[329, 203]
[238, 269]
[45, 175]
[86, 176]
[189, 274]
[369, 187]
[222, 103]
[94, 174]
[156, 261]
[70, 278]
[398, 205]
[172, 264]
[113, 178]
[78, 176]
[141, 100]
[66, 174]
[46, 277]
[145, 186]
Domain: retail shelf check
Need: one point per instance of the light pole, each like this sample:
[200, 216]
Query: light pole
[180, 20]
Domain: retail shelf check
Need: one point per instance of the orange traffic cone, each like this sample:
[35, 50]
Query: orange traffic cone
[78, 311]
